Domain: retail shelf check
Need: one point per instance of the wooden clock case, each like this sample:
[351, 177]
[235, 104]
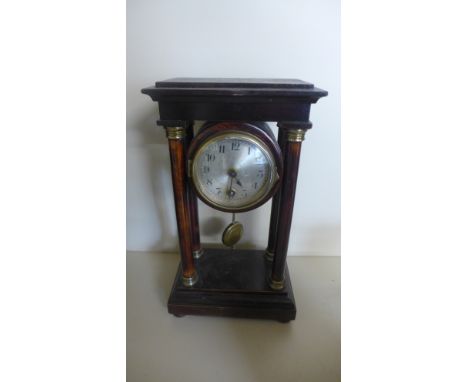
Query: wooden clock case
[234, 282]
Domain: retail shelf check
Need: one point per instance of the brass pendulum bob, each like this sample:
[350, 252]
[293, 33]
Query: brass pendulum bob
[233, 232]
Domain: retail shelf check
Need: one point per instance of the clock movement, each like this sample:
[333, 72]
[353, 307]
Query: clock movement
[234, 164]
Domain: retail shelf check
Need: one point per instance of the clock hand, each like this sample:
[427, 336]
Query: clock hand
[230, 191]
[233, 174]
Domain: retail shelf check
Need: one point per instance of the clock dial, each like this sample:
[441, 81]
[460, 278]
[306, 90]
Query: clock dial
[233, 171]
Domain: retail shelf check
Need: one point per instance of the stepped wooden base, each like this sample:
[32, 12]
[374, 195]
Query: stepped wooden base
[233, 283]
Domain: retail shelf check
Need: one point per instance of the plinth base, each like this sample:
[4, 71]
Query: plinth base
[233, 283]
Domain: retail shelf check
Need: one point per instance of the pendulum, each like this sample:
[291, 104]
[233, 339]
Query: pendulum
[233, 232]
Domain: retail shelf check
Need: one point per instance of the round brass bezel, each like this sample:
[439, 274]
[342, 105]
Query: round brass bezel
[263, 193]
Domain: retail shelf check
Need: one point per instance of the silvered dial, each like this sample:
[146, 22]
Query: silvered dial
[233, 170]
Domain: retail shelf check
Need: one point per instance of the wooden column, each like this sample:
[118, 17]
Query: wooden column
[275, 207]
[197, 250]
[294, 134]
[177, 149]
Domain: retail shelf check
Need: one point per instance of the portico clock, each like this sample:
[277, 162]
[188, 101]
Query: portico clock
[234, 164]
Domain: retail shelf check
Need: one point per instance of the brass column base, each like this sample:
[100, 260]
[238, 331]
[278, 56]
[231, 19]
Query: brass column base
[190, 281]
[276, 285]
[198, 254]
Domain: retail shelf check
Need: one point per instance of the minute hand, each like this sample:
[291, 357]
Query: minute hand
[230, 191]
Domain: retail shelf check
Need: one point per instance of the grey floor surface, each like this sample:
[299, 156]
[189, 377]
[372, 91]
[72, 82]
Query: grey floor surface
[163, 348]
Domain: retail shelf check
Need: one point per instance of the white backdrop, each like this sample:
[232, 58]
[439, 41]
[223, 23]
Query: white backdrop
[208, 38]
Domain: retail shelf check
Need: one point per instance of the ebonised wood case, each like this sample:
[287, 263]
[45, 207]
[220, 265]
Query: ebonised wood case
[234, 282]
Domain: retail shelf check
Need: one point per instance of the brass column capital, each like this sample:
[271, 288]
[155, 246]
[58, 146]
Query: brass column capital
[175, 132]
[296, 135]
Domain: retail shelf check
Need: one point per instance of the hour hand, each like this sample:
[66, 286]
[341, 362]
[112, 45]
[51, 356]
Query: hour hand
[233, 174]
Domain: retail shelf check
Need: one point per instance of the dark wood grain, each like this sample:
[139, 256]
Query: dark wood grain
[234, 99]
[179, 184]
[233, 283]
[291, 156]
[193, 202]
[222, 109]
[235, 87]
[275, 205]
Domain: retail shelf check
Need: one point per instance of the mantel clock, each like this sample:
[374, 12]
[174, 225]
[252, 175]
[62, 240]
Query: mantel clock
[234, 164]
